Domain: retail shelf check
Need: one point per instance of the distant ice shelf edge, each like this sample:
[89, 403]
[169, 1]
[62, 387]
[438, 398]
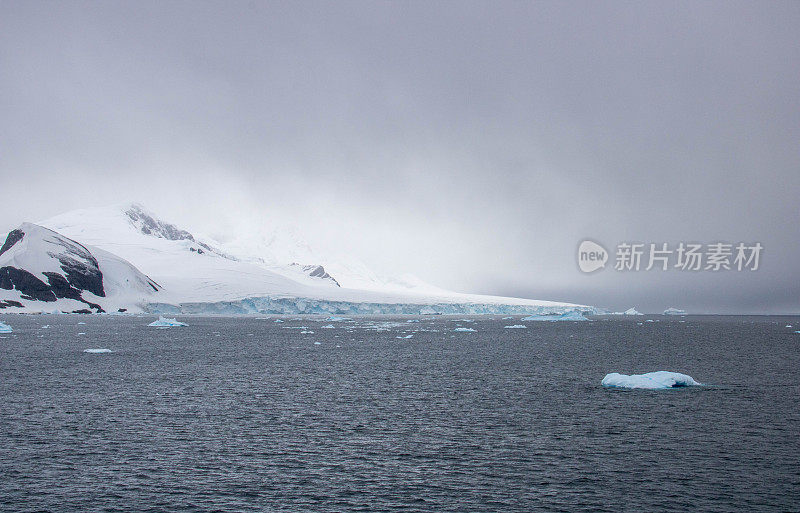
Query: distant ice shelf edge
[295, 306]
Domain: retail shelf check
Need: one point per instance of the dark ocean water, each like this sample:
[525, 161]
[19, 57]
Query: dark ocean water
[236, 414]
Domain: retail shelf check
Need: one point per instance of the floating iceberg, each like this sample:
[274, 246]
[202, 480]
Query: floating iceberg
[515, 326]
[407, 336]
[164, 322]
[652, 380]
[631, 311]
[572, 315]
[337, 319]
[463, 329]
[674, 311]
[328, 326]
[277, 320]
[97, 350]
[5, 328]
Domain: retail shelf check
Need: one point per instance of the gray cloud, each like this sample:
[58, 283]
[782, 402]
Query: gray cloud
[472, 143]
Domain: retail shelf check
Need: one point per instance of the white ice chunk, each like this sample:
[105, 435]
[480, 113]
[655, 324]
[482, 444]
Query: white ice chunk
[631, 311]
[164, 322]
[97, 350]
[5, 328]
[652, 380]
[463, 329]
[515, 326]
[674, 311]
[328, 326]
[407, 336]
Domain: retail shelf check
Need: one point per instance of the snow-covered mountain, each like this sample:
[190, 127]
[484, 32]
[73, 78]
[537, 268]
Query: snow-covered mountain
[195, 274]
[41, 270]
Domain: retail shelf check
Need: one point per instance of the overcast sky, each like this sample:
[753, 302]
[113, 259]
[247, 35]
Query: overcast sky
[474, 144]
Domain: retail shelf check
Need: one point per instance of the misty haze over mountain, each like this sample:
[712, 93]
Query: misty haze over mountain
[473, 144]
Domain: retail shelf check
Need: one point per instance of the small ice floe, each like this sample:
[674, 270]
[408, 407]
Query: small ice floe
[572, 315]
[307, 332]
[5, 328]
[515, 327]
[46, 326]
[797, 331]
[407, 336]
[317, 343]
[649, 320]
[328, 327]
[337, 319]
[95, 350]
[164, 322]
[81, 333]
[651, 381]
[277, 320]
[81, 322]
[413, 320]
[463, 329]
[506, 318]
[788, 325]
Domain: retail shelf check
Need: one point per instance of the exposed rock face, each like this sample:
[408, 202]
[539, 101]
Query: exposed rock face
[13, 237]
[79, 270]
[149, 225]
[9, 303]
[317, 271]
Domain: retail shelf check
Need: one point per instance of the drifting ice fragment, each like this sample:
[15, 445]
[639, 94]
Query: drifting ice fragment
[407, 336]
[97, 350]
[163, 322]
[334, 318]
[515, 326]
[329, 326]
[631, 311]
[674, 311]
[5, 328]
[278, 320]
[463, 329]
[652, 380]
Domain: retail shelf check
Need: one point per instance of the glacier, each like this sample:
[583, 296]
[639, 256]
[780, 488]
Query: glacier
[301, 305]
[570, 315]
[651, 381]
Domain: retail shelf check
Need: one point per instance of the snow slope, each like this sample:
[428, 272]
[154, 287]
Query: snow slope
[198, 276]
[41, 270]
